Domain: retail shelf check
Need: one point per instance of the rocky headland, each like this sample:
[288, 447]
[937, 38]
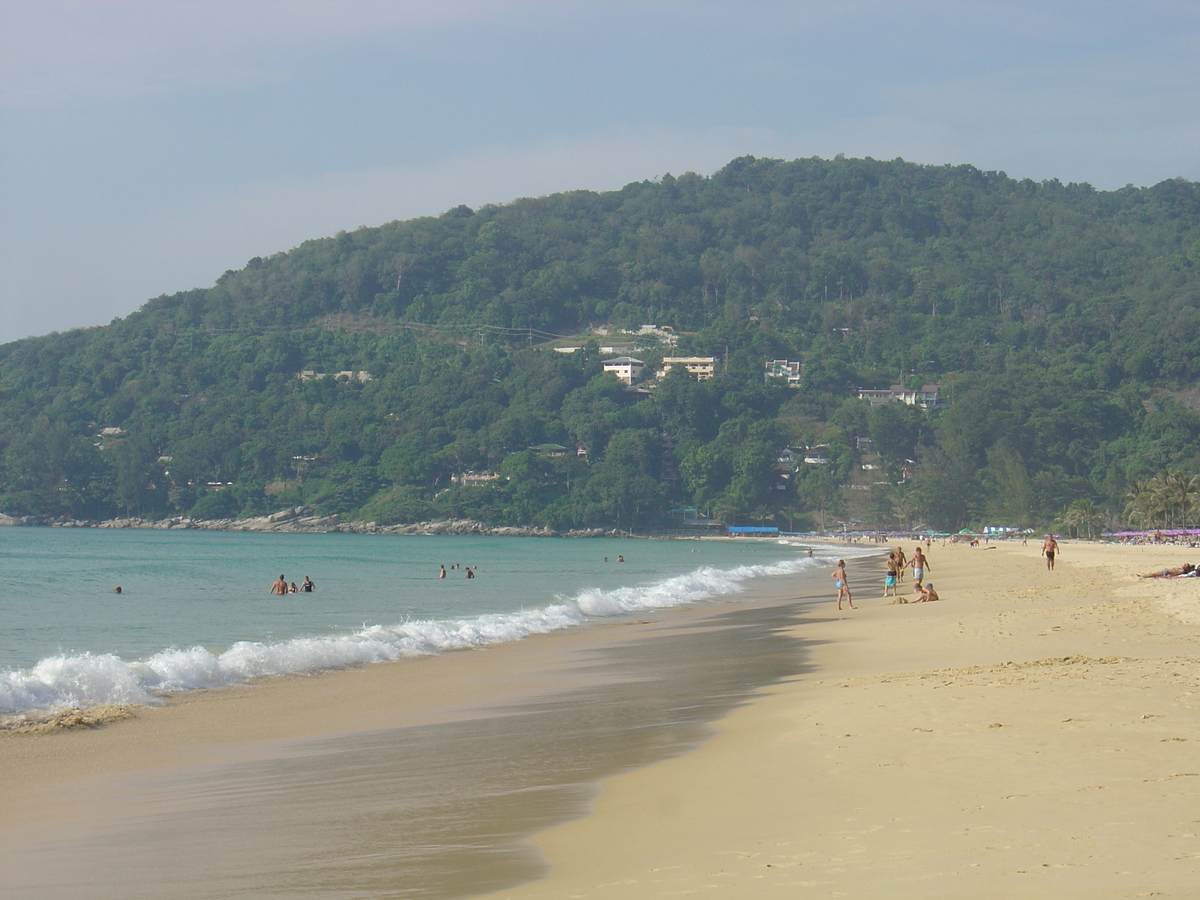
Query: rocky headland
[302, 520]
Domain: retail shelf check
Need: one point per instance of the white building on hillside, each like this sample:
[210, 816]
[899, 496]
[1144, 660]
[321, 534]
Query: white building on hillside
[785, 368]
[926, 397]
[625, 368]
[703, 367]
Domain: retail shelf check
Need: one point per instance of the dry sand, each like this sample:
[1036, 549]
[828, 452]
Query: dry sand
[1034, 734]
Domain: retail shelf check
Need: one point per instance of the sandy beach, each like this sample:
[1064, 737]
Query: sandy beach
[1032, 734]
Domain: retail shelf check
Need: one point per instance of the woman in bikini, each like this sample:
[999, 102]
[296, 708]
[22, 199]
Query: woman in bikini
[843, 584]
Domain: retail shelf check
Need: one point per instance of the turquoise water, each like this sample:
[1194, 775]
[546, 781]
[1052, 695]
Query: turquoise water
[195, 609]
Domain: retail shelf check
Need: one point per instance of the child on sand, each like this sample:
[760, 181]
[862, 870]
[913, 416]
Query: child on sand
[926, 593]
[889, 582]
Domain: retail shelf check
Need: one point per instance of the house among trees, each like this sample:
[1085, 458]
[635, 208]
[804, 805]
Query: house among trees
[785, 368]
[817, 455]
[926, 397]
[549, 449]
[703, 367]
[625, 368]
[474, 479]
[665, 333]
[362, 377]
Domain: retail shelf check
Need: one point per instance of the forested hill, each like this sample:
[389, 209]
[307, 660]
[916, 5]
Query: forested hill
[1062, 324]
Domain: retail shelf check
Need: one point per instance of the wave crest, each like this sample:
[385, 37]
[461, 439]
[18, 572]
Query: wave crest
[88, 680]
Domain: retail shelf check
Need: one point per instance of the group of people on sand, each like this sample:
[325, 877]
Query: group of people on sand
[897, 562]
[470, 572]
[283, 586]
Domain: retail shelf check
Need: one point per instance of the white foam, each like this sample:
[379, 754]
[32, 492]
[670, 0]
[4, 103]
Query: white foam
[85, 680]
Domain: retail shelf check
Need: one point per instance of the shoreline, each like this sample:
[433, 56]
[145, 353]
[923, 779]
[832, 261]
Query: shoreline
[301, 520]
[256, 781]
[1030, 735]
[102, 679]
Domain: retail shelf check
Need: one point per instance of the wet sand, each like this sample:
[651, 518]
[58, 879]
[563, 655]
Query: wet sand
[424, 777]
[1034, 734]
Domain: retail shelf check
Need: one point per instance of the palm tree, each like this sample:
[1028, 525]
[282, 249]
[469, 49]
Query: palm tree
[1169, 498]
[1180, 492]
[1136, 499]
[790, 512]
[1083, 515]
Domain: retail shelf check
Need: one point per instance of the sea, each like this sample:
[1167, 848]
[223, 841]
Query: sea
[195, 610]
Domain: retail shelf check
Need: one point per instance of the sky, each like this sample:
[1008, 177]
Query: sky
[147, 146]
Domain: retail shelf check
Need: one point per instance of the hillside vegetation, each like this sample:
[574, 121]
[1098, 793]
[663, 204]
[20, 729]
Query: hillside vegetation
[1061, 322]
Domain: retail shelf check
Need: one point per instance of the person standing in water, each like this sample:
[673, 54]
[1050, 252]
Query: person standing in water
[307, 585]
[442, 573]
[843, 584]
[280, 587]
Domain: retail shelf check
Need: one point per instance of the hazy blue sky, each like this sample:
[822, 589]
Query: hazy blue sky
[146, 147]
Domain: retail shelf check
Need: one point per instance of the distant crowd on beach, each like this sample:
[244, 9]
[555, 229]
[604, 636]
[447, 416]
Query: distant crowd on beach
[898, 563]
[1175, 538]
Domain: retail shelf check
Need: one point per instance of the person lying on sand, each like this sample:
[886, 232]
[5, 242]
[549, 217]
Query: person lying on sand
[1172, 572]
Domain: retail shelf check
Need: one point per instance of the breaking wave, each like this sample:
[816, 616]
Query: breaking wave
[88, 680]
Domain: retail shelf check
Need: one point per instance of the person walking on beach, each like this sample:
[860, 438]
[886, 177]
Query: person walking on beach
[843, 584]
[280, 587]
[1049, 549]
[920, 563]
